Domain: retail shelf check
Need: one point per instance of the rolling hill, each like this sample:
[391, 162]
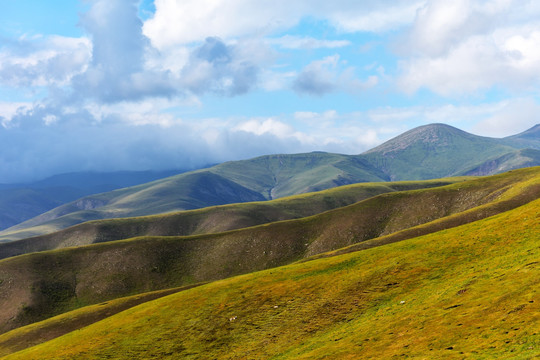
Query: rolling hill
[20, 202]
[427, 152]
[469, 291]
[40, 285]
[212, 219]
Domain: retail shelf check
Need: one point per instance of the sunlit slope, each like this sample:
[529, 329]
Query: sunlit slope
[262, 178]
[437, 150]
[40, 285]
[212, 219]
[40, 332]
[467, 292]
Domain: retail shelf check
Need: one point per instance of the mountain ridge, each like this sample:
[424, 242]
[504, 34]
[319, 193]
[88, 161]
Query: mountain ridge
[427, 152]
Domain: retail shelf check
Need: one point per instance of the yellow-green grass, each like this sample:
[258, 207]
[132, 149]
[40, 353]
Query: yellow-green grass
[40, 332]
[201, 221]
[467, 292]
[40, 285]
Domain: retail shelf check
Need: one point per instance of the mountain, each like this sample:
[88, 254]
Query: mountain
[458, 281]
[52, 282]
[20, 202]
[527, 139]
[427, 152]
[434, 151]
[256, 179]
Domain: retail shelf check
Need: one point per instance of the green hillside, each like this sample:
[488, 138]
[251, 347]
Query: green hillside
[20, 202]
[40, 285]
[257, 179]
[212, 219]
[467, 292]
[427, 152]
[434, 151]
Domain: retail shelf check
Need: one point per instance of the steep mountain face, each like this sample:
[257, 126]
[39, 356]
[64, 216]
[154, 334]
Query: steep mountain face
[427, 152]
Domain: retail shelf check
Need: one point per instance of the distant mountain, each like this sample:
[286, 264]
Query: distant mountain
[258, 179]
[427, 152]
[527, 139]
[433, 151]
[20, 202]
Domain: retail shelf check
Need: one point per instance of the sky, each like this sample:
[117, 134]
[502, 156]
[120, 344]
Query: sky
[106, 85]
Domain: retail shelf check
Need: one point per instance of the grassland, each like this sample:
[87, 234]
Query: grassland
[40, 285]
[211, 219]
[467, 292]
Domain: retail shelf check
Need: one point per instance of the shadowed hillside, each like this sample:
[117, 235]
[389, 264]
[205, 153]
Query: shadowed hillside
[467, 292]
[20, 202]
[53, 282]
[212, 219]
[257, 179]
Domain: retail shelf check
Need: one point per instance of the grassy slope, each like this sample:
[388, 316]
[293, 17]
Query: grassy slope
[40, 285]
[212, 219]
[40, 332]
[512, 160]
[468, 292]
[434, 151]
[256, 179]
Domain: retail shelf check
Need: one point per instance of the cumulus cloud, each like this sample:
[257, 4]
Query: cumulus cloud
[177, 22]
[217, 67]
[43, 61]
[117, 69]
[328, 75]
[462, 47]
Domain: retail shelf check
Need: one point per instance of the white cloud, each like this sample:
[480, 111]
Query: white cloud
[511, 117]
[329, 75]
[306, 42]
[465, 46]
[186, 21]
[43, 61]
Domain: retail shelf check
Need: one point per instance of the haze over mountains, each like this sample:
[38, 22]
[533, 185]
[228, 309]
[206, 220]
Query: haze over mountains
[427, 152]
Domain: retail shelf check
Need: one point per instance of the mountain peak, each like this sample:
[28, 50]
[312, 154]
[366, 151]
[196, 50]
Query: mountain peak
[435, 134]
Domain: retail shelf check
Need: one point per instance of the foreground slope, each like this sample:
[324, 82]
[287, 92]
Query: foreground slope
[40, 285]
[468, 292]
[212, 219]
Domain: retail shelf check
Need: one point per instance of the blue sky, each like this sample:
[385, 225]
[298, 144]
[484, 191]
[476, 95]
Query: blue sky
[129, 85]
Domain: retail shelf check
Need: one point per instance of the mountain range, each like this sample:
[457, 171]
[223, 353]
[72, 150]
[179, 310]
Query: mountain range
[402, 251]
[427, 152]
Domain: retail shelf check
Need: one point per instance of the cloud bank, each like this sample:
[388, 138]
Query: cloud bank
[134, 94]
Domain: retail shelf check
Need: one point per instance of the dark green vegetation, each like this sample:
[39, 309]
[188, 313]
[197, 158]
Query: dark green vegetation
[40, 285]
[428, 152]
[212, 219]
[20, 202]
[469, 291]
